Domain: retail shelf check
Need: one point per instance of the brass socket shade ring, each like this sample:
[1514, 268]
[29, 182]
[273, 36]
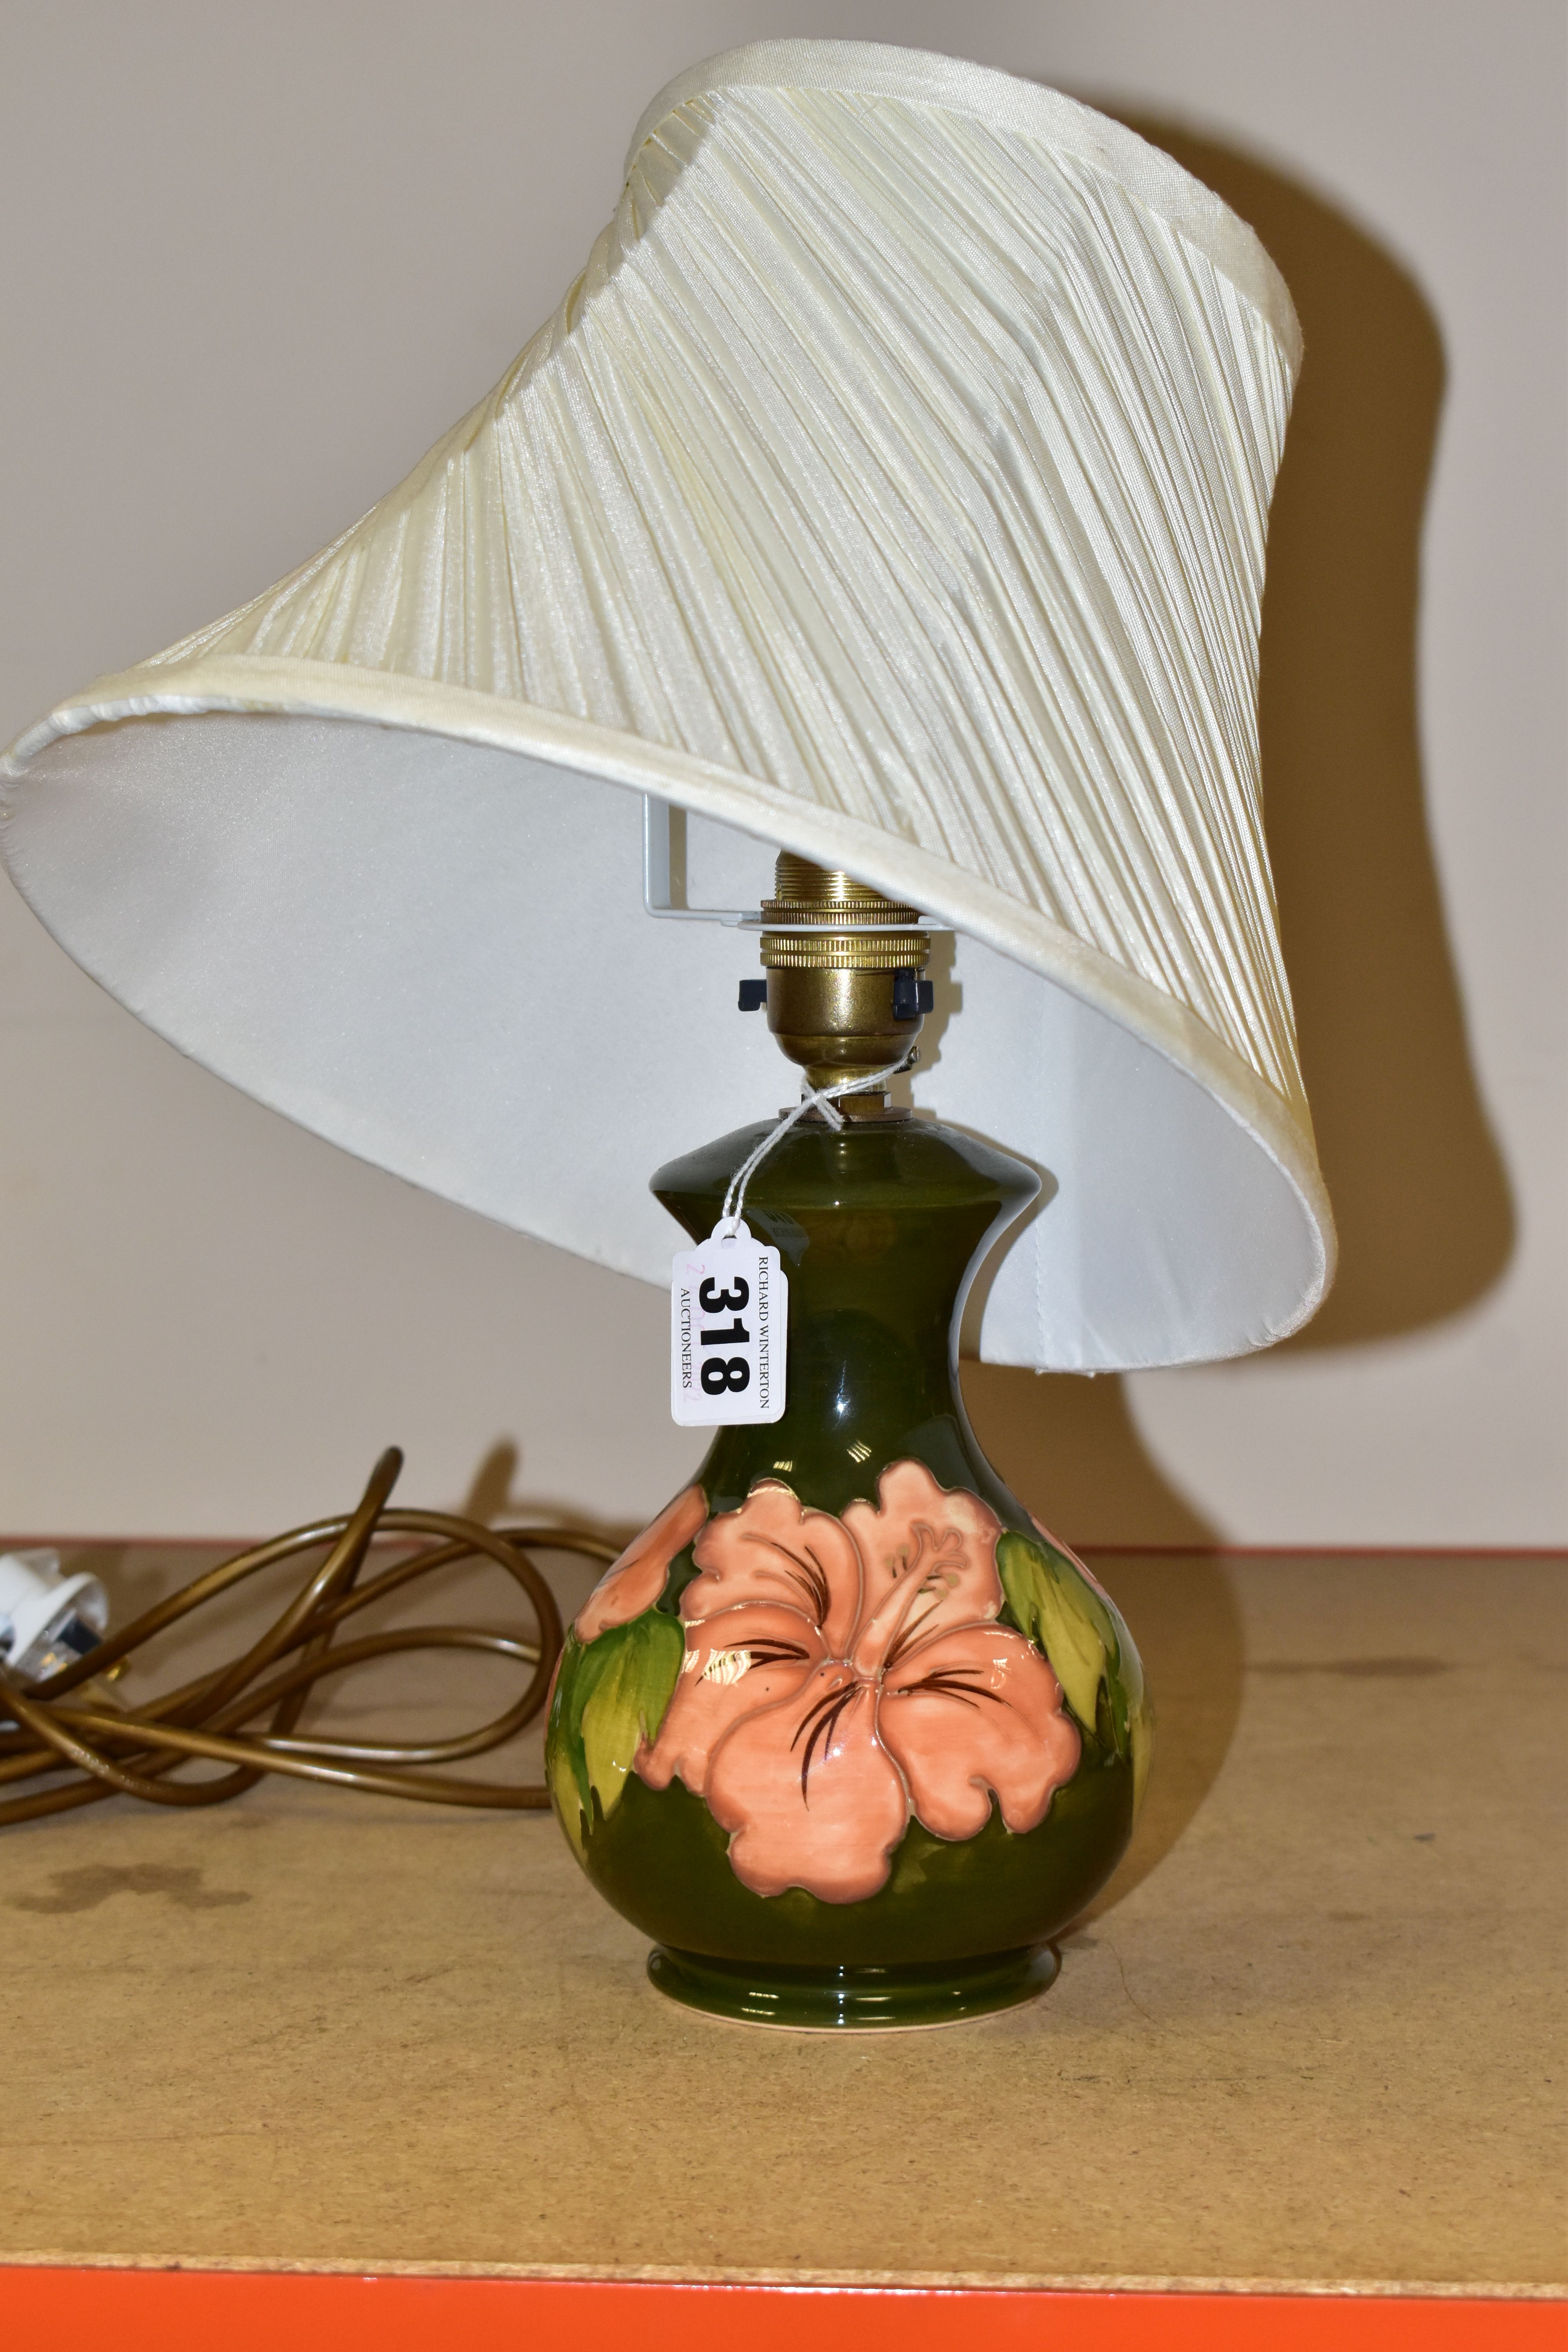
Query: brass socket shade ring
[846, 951]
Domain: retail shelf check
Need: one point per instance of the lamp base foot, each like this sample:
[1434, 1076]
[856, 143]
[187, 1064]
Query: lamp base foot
[876, 2001]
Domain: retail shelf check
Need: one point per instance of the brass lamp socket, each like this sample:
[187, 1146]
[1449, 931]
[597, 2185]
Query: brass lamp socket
[842, 1002]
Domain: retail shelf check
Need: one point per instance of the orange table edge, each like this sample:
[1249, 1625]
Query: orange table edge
[256, 2310]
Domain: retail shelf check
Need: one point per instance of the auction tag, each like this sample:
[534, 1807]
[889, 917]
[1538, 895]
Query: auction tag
[729, 1319]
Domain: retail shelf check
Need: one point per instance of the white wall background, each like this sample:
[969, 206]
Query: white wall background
[256, 258]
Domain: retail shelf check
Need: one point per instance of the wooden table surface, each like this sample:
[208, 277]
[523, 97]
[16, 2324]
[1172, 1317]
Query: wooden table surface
[1310, 2039]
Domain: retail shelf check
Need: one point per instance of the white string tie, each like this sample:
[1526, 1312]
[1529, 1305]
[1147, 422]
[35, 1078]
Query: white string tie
[822, 1098]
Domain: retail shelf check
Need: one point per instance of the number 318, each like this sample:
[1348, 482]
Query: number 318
[720, 1374]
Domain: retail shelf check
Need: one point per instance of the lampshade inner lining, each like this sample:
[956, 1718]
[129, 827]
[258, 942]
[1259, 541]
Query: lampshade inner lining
[415, 947]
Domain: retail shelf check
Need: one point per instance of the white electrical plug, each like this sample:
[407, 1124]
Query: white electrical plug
[47, 1621]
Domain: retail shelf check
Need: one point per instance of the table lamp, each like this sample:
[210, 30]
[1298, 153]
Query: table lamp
[864, 562]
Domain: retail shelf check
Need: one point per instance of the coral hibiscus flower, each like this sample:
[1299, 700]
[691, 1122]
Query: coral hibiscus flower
[841, 1673]
[634, 1582]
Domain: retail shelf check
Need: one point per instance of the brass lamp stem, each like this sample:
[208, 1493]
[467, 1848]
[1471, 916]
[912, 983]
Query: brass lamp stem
[842, 1001]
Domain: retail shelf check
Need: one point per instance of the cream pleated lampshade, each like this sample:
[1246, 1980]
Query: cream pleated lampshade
[891, 488]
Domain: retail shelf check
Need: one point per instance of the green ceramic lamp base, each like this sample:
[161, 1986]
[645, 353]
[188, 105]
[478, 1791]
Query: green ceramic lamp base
[856, 2000]
[844, 1732]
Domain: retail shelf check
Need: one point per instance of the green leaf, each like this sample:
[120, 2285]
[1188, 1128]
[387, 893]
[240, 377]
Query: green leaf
[611, 1695]
[566, 1791]
[1142, 1733]
[1052, 1612]
[1082, 1634]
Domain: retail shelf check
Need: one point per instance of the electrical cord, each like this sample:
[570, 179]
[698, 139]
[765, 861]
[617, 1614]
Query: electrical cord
[109, 1750]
